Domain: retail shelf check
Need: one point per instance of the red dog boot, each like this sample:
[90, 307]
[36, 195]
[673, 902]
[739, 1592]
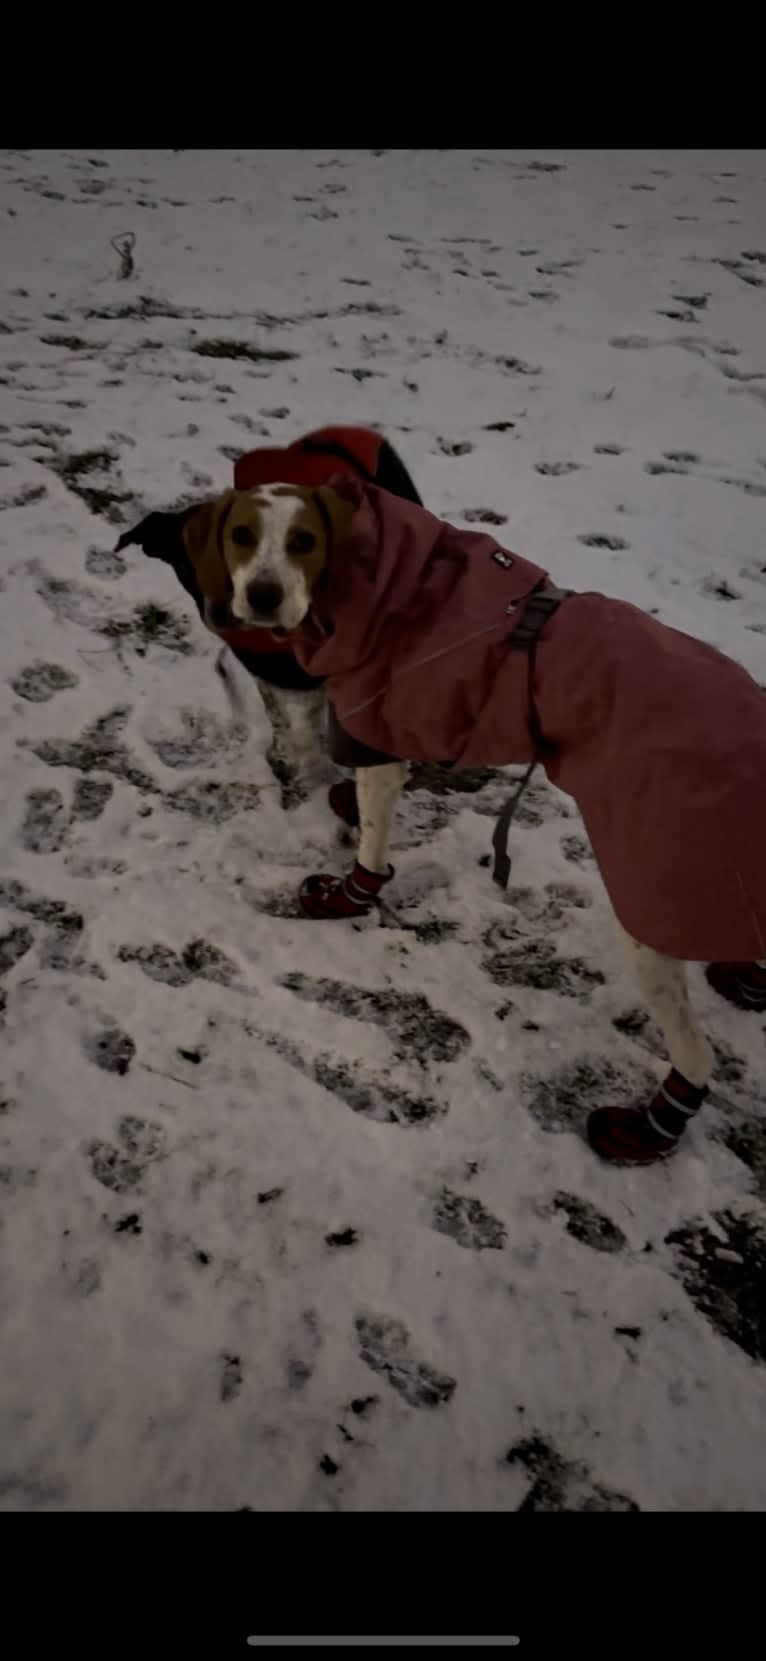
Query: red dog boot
[342, 799]
[351, 896]
[743, 984]
[642, 1135]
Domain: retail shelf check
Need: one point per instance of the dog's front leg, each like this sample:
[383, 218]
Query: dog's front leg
[641, 1135]
[295, 751]
[378, 790]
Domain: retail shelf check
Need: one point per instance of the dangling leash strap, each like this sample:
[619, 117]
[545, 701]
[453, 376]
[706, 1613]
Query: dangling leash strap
[540, 607]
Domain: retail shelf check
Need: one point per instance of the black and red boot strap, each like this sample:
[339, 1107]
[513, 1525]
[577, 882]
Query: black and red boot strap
[351, 896]
[644, 1135]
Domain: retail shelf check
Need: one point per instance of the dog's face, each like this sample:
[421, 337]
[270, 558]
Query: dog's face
[259, 554]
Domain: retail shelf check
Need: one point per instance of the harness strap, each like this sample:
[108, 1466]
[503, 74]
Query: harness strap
[540, 606]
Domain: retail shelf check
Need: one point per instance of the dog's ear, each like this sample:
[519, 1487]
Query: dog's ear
[159, 534]
[338, 510]
[202, 535]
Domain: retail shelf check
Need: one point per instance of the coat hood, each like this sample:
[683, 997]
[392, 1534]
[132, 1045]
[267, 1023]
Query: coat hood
[403, 597]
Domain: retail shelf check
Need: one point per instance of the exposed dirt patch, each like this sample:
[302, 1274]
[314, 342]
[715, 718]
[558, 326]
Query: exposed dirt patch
[483, 516]
[232, 1378]
[112, 1050]
[616, 544]
[342, 1237]
[237, 349]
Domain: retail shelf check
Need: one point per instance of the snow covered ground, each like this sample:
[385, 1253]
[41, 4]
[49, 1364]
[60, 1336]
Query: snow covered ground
[299, 1215]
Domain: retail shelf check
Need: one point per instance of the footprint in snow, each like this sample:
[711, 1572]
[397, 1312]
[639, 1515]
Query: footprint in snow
[357, 1087]
[122, 1168]
[725, 1277]
[44, 828]
[13, 946]
[560, 1485]
[597, 539]
[384, 1346]
[416, 1029]
[535, 963]
[101, 562]
[171, 968]
[40, 682]
[466, 1221]
[562, 1101]
[589, 1225]
[90, 798]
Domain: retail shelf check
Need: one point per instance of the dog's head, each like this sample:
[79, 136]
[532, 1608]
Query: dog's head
[259, 554]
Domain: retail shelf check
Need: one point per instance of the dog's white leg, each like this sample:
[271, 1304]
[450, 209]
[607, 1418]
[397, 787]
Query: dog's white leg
[296, 749]
[305, 714]
[662, 981]
[377, 792]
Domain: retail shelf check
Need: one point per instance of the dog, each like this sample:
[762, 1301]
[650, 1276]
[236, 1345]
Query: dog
[438, 645]
[295, 703]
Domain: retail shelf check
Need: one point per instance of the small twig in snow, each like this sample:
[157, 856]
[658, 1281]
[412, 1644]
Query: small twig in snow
[173, 1076]
[124, 245]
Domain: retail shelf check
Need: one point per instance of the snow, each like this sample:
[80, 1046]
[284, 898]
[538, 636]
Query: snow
[500, 1320]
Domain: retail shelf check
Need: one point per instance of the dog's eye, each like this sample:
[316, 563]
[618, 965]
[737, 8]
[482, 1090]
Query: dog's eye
[243, 536]
[301, 542]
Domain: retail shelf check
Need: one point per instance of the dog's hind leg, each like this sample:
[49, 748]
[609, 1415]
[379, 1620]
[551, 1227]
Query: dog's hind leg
[642, 1135]
[663, 985]
[378, 790]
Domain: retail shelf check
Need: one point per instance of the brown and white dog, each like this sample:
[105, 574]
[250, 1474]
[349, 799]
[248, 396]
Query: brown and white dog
[259, 558]
[303, 728]
[259, 553]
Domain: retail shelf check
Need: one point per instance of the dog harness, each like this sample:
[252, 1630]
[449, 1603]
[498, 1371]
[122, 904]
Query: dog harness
[540, 607]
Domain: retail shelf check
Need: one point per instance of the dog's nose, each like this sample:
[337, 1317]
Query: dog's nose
[265, 598]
